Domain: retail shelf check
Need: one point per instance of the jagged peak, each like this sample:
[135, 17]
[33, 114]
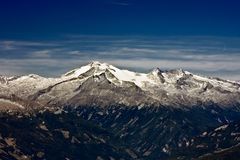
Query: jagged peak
[98, 66]
[178, 71]
[156, 71]
[98, 63]
[3, 79]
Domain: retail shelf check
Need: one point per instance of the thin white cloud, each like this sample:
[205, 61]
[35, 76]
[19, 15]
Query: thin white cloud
[40, 54]
[7, 45]
[205, 56]
[139, 50]
[55, 67]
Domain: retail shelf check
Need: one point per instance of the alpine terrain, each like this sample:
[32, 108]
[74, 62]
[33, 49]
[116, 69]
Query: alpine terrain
[101, 112]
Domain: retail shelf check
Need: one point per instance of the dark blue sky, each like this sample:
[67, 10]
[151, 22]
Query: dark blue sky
[50, 37]
[51, 18]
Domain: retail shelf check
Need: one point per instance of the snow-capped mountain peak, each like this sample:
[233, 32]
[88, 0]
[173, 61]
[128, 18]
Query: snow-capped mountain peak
[103, 80]
[98, 68]
[156, 71]
[156, 77]
[95, 65]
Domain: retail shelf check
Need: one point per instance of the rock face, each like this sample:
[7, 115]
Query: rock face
[100, 112]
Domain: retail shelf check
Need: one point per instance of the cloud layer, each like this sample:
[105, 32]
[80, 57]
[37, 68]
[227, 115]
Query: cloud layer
[210, 56]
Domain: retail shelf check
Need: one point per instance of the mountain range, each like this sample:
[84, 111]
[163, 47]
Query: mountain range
[99, 111]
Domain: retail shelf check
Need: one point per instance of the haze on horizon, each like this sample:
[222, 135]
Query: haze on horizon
[51, 37]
